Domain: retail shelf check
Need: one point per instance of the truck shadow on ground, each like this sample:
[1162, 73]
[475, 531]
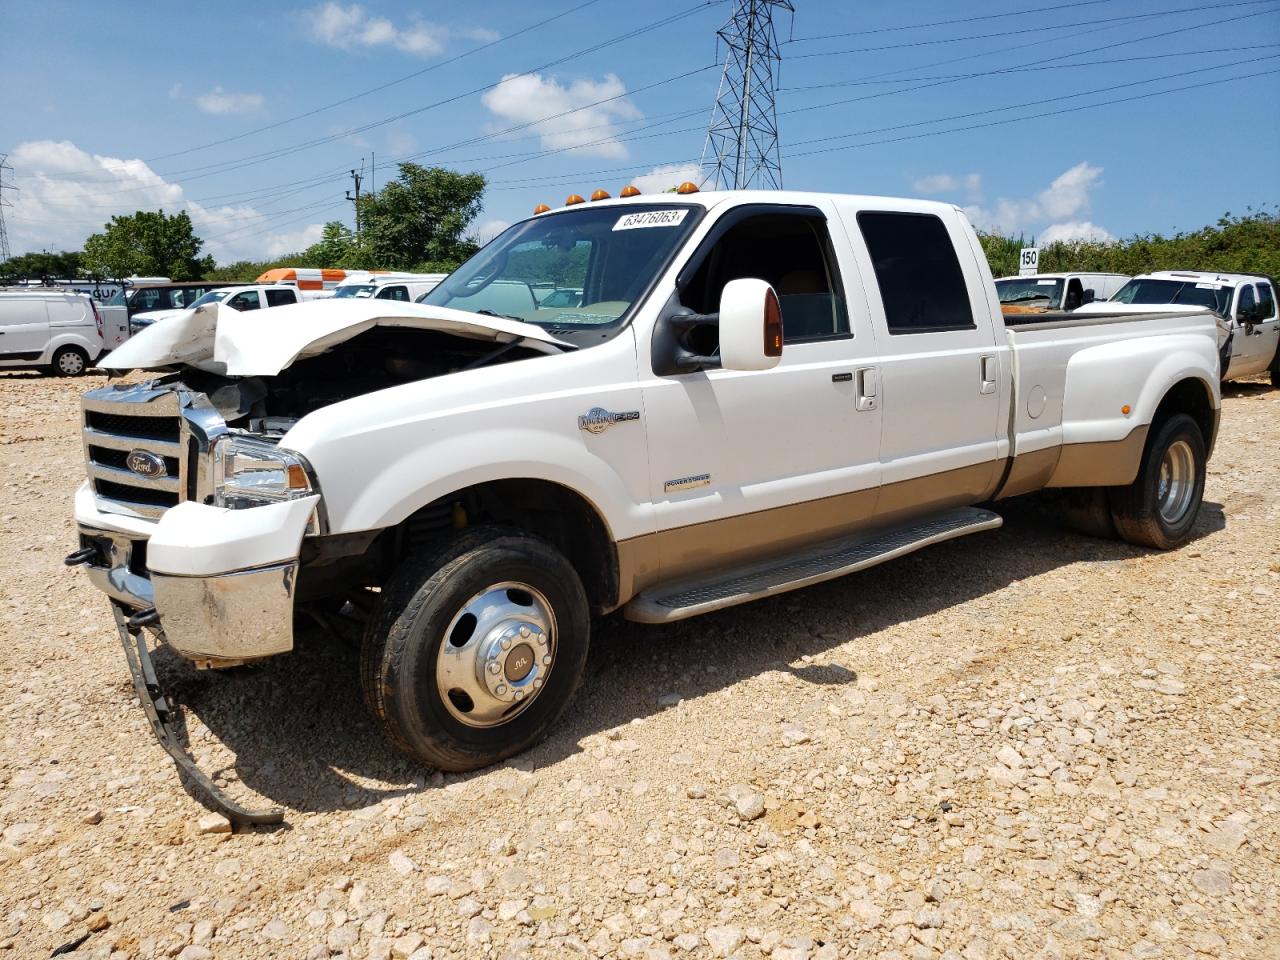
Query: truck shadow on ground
[303, 739]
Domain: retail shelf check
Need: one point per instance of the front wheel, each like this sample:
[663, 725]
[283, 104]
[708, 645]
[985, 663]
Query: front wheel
[1160, 507]
[476, 649]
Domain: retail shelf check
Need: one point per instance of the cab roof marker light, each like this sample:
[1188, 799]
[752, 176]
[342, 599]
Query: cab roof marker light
[687, 187]
[630, 191]
[600, 195]
[573, 199]
[540, 208]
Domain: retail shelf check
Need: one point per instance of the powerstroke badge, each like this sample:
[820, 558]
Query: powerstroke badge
[598, 419]
[651, 218]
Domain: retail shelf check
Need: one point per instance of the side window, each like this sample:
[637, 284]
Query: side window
[280, 298]
[394, 293]
[1247, 305]
[1266, 302]
[145, 299]
[245, 300]
[919, 276]
[1075, 294]
[792, 253]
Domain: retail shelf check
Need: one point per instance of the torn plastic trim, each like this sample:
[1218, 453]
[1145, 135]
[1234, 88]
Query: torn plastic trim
[164, 714]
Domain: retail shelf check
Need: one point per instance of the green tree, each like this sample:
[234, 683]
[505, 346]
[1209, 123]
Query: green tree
[148, 243]
[335, 248]
[35, 266]
[419, 220]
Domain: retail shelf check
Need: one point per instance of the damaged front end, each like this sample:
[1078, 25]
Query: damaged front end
[194, 514]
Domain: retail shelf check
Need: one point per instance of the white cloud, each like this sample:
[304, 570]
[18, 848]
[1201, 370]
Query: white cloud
[663, 178]
[351, 26]
[589, 130]
[67, 193]
[486, 230]
[220, 101]
[970, 184]
[1074, 230]
[1059, 208]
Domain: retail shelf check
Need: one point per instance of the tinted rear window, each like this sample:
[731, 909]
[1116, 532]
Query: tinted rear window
[919, 276]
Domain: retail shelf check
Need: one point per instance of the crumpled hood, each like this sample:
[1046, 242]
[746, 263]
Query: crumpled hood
[218, 339]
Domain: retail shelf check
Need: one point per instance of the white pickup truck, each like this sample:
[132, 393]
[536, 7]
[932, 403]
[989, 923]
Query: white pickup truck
[1245, 304]
[758, 391]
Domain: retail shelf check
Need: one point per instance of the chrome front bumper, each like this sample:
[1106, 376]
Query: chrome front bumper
[218, 620]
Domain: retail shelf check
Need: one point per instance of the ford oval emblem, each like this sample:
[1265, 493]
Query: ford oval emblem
[145, 464]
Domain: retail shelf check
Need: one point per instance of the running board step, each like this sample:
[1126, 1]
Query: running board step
[676, 601]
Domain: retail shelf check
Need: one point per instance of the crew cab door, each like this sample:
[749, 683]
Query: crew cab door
[746, 464]
[943, 379]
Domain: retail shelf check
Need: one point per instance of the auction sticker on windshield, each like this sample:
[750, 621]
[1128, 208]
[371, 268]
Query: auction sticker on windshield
[651, 218]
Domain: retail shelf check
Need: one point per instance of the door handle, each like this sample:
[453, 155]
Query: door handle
[988, 374]
[868, 391]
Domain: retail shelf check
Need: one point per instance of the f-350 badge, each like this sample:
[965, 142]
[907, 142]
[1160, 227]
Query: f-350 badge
[598, 419]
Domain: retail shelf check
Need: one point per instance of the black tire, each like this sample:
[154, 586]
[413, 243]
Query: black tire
[1143, 513]
[403, 642]
[1275, 377]
[69, 362]
[1089, 512]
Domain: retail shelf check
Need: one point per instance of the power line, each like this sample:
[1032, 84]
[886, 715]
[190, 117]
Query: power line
[1034, 116]
[1032, 68]
[382, 86]
[1037, 29]
[1055, 8]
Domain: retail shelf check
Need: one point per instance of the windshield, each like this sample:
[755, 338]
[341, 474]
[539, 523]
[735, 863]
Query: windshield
[363, 290]
[213, 296]
[1031, 291]
[1189, 293]
[607, 257]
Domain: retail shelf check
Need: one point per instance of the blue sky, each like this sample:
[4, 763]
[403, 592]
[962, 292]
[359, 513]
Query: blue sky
[118, 107]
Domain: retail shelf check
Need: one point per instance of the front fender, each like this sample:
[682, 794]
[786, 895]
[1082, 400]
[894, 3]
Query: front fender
[1137, 373]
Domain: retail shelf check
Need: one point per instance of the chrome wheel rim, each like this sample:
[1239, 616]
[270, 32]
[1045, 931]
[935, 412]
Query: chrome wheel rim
[496, 654]
[1177, 482]
[71, 363]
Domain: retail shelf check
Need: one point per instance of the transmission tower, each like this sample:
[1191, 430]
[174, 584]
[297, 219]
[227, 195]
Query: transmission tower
[4, 235]
[742, 140]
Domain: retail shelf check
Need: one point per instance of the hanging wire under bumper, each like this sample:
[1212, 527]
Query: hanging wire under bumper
[164, 714]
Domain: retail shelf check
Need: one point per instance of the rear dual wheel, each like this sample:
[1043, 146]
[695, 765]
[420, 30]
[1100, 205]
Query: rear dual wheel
[476, 648]
[1159, 509]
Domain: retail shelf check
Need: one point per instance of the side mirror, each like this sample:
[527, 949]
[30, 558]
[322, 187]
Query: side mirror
[750, 326]
[1090, 296]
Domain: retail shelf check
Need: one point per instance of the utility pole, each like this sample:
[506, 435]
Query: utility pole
[742, 138]
[4, 234]
[358, 178]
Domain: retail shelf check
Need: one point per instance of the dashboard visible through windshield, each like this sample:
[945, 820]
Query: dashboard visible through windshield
[573, 273]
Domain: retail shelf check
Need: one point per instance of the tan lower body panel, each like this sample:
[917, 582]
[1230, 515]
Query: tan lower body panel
[686, 551]
[1112, 463]
[1029, 472]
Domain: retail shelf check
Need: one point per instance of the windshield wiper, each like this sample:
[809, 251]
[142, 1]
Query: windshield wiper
[501, 316]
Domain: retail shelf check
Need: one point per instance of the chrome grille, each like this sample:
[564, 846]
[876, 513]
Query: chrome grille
[120, 420]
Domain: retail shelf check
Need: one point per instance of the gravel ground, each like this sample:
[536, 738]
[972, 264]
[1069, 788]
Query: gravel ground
[1022, 744]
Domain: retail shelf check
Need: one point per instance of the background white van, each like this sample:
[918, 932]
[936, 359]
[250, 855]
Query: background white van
[55, 331]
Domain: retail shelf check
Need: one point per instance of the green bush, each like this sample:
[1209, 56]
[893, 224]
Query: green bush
[1237, 244]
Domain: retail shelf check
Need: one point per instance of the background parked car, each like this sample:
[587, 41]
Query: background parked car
[1043, 292]
[257, 296]
[52, 330]
[406, 288]
[1249, 328]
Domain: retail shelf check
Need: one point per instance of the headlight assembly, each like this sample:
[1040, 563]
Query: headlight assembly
[248, 472]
